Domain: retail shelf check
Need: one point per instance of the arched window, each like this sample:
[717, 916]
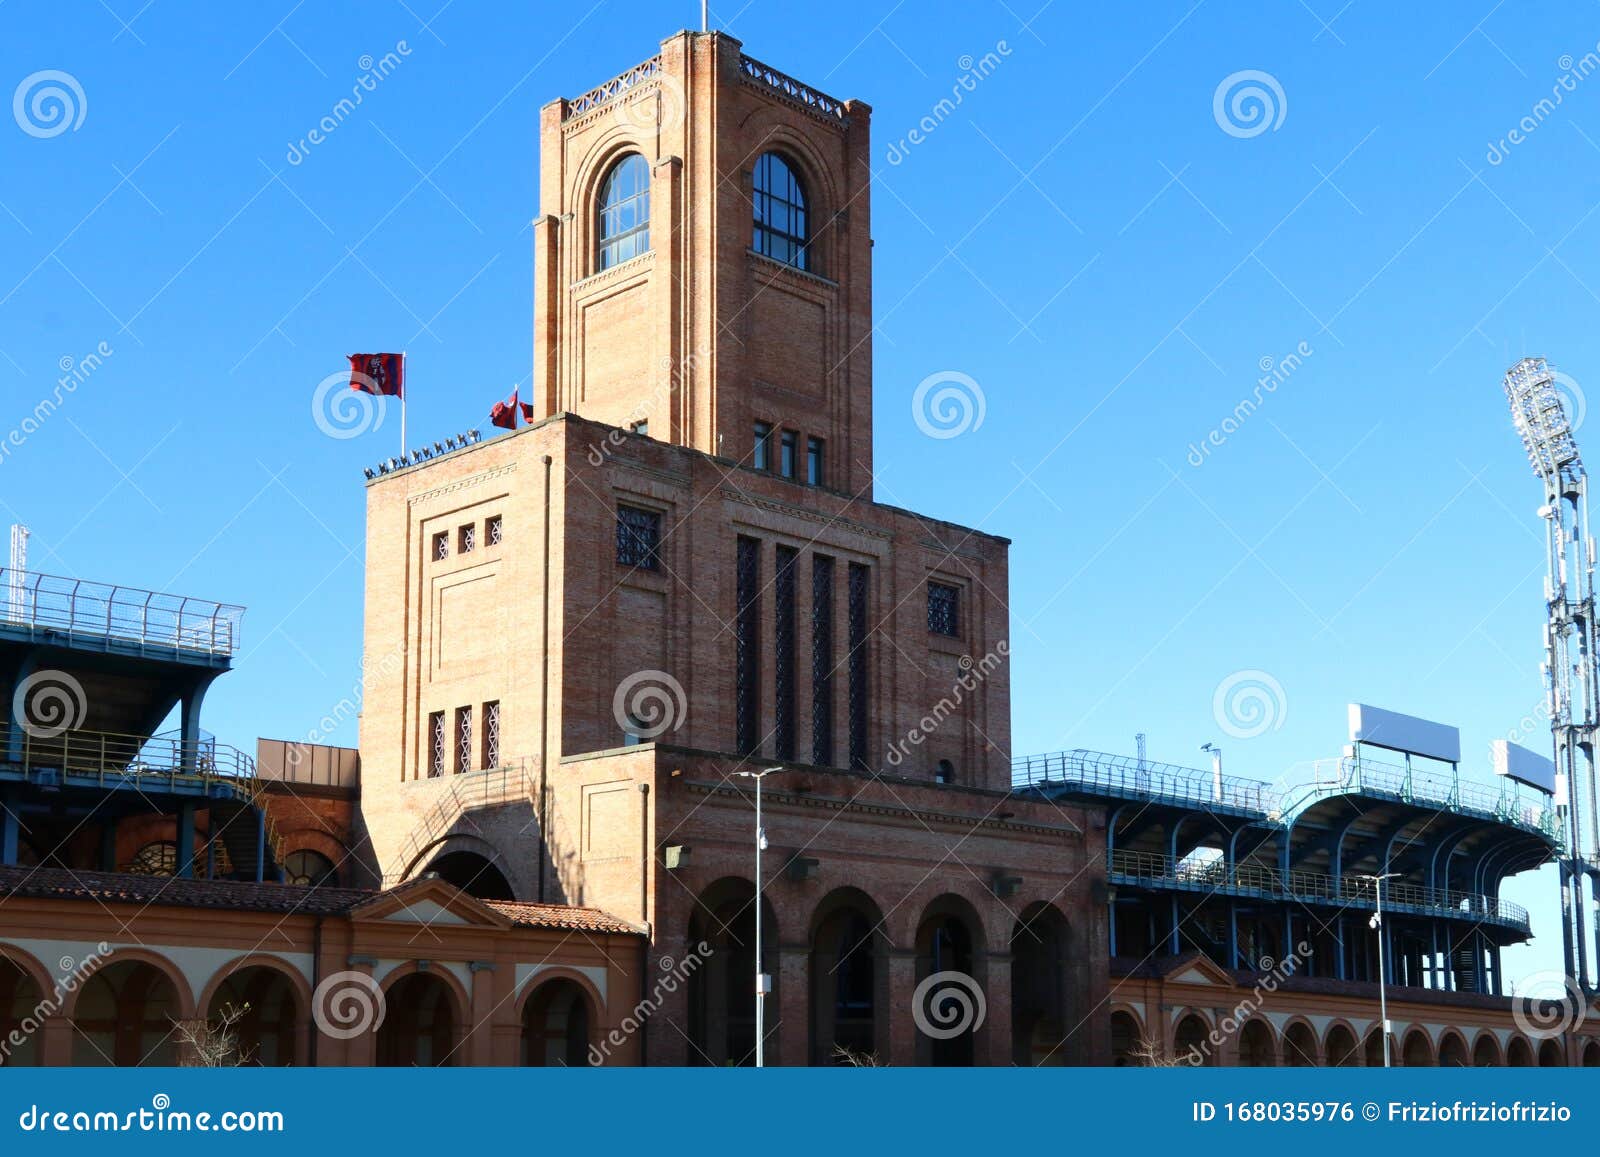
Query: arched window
[156, 859]
[308, 868]
[944, 772]
[782, 221]
[624, 230]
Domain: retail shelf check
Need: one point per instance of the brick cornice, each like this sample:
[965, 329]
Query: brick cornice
[460, 483]
[805, 514]
[892, 811]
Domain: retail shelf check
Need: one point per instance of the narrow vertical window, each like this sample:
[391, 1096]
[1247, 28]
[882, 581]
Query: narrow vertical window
[747, 647]
[441, 546]
[494, 530]
[822, 660]
[638, 538]
[783, 594]
[814, 461]
[786, 454]
[436, 744]
[761, 454]
[944, 609]
[491, 735]
[463, 739]
[467, 538]
[782, 229]
[860, 669]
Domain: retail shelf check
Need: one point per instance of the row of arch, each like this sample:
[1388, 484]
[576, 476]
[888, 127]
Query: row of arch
[136, 1010]
[844, 959]
[1297, 1045]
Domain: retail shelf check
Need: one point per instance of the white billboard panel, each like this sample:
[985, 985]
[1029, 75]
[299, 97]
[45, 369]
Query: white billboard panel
[1405, 733]
[1522, 765]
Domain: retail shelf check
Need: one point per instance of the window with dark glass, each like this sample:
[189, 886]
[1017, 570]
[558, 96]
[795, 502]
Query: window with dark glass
[944, 609]
[858, 665]
[944, 772]
[786, 454]
[782, 223]
[624, 224]
[761, 455]
[638, 538]
[822, 660]
[814, 461]
[783, 594]
[747, 646]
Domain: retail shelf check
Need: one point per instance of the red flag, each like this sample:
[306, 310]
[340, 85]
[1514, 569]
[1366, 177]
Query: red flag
[504, 414]
[378, 374]
[527, 411]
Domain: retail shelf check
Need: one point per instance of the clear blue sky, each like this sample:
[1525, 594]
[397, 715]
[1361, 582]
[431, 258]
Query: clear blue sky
[1080, 236]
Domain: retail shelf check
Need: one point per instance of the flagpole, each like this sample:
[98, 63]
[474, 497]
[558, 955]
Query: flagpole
[402, 405]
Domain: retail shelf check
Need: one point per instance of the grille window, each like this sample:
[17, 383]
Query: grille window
[747, 647]
[463, 739]
[494, 531]
[436, 744]
[822, 660]
[491, 735]
[638, 538]
[441, 546]
[467, 538]
[944, 609]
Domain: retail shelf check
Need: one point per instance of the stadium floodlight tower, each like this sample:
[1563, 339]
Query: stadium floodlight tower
[1570, 636]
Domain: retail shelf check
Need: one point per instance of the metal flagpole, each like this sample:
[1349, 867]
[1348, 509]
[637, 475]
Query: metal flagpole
[402, 404]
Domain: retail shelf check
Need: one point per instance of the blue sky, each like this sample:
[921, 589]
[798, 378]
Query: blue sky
[1081, 236]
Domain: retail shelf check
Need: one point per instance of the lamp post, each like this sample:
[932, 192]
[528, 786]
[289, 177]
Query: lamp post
[763, 981]
[1376, 923]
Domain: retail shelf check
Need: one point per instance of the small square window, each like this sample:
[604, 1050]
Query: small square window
[467, 538]
[761, 456]
[944, 609]
[638, 538]
[813, 461]
[786, 454]
[441, 546]
[493, 530]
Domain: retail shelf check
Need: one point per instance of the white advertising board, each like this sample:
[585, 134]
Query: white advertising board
[1406, 733]
[1524, 766]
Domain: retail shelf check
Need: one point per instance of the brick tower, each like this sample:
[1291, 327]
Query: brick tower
[579, 634]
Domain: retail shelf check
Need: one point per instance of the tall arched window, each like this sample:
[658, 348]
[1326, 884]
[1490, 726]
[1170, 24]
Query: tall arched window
[624, 230]
[782, 221]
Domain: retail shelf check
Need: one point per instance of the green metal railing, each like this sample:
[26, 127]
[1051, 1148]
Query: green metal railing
[1121, 776]
[78, 608]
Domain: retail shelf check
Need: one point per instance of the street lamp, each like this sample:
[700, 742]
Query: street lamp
[1376, 923]
[763, 981]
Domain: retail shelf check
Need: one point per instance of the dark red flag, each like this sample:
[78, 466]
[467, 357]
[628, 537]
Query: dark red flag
[527, 411]
[378, 374]
[504, 414]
